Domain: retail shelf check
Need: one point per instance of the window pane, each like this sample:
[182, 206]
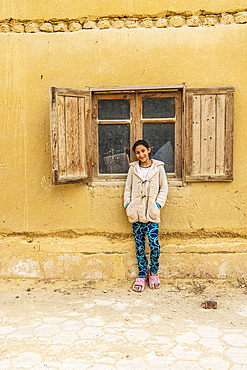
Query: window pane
[158, 108]
[113, 109]
[114, 148]
[160, 137]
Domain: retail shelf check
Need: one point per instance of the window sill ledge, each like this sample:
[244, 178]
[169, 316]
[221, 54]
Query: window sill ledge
[121, 183]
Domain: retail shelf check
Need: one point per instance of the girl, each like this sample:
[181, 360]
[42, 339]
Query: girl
[145, 193]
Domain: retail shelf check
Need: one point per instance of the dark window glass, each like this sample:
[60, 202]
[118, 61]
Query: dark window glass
[158, 108]
[114, 148]
[113, 109]
[160, 137]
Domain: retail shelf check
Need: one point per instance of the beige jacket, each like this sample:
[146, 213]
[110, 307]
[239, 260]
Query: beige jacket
[143, 195]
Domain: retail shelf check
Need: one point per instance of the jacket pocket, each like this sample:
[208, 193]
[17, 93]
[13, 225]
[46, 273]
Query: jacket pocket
[131, 211]
[153, 210]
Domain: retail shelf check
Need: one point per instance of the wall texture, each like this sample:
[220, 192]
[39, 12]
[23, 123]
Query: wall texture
[114, 43]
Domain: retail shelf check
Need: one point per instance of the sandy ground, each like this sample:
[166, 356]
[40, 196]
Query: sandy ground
[113, 308]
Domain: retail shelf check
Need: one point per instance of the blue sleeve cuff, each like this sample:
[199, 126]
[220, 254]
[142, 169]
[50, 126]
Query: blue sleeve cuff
[158, 205]
[126, 205]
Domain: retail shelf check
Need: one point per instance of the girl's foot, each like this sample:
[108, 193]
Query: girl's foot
[139, 285]
[153, 279]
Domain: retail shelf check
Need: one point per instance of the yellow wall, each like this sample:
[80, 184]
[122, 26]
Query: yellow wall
[196, 56]
[29, 9]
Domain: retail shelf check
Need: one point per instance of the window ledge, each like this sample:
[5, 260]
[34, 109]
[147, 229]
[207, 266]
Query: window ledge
[121, 183]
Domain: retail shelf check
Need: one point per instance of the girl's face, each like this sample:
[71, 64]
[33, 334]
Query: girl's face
[142, 154]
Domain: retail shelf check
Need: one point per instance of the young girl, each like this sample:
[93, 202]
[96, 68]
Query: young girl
[145, 193]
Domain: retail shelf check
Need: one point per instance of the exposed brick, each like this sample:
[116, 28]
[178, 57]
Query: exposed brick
[4, 27]
[194, 21]
[89, 25]
[75, 26]
[131, 23]
[210, 303]
[31, 28]
[147, 23]
[162, 23]
[61, 27]
[17, 27]
[176, 21]
[227, 19]
[210, 21]
[46, 27]
[241, 17]
[103, 24]
[117, 23]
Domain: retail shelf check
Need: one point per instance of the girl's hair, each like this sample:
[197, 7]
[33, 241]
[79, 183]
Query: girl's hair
[140, 142]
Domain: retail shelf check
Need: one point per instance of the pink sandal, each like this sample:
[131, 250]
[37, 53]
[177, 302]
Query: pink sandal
[153, 279]
[139, 282]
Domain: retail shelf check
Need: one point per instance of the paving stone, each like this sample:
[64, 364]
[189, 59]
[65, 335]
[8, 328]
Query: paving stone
[47, 365]
[65, 338]
[91, 333]
[102, 367]
[96, 321]
[27, 360]
[5, 365]
[214, 363]
[159, 339]
[135, 364]
[155, 318]
[243, 312]
[160, 361]
[112, 338]
[6, 329]
[208, 332]
[114, 324]
[186, 365]
[76, 364]
[137, 334]
[236, 340]
[106, 360]
[54, 320]
[216, 345]
[237, 355]
[189, 338]
[101, 302]
[72, 325]
[46, 330]
[21, 333]
[183, 354]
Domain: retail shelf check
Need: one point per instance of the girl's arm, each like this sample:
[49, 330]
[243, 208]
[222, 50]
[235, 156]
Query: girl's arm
[128, 187]
[163, 187]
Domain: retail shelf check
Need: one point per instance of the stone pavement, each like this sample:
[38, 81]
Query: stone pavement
[70, 325]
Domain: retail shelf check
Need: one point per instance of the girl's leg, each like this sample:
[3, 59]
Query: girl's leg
[139, 236]
[152, 231]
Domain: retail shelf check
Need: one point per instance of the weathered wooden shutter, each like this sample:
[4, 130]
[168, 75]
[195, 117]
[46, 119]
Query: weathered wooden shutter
[70, 112]
[208, 134]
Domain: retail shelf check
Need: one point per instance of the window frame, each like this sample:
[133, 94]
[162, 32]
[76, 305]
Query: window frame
[135, 95]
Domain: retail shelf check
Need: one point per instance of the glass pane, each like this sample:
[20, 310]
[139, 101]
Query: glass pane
[160, 137]
[113, 109]
[114, 148]
[158, 108]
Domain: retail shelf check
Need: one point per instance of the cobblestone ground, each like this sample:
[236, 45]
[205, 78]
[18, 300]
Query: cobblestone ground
[69, 325]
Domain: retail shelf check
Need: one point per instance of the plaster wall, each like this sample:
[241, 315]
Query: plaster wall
[31, 207]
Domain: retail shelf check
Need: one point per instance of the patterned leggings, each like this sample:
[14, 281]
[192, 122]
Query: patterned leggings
[139, 231]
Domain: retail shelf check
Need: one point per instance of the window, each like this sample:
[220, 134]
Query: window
[190, 130]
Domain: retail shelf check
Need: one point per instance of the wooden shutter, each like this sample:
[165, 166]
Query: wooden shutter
[208, 134]
[70, 112]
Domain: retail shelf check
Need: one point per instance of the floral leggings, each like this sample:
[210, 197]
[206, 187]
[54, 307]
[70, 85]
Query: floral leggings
[139, 231]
